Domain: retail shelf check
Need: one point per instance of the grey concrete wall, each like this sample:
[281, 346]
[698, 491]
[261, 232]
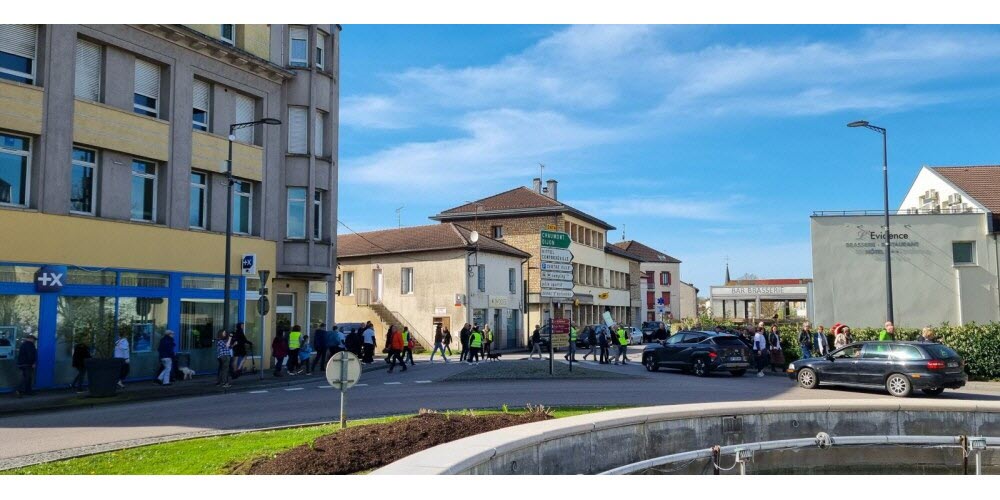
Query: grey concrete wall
[849, 280]
[593, 443]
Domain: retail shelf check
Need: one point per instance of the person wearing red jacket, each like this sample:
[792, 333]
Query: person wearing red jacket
[279, 349]
[396, 345]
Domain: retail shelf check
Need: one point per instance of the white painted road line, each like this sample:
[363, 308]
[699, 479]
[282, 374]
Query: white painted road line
[360, 385]
[392, 383]
[257, 392]
[295, 388]
[423, 381]
[324, 387]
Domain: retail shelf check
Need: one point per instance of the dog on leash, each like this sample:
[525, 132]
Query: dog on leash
[186, 372]
[493, 356]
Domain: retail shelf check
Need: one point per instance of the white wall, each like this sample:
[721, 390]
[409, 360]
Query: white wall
[928, 179]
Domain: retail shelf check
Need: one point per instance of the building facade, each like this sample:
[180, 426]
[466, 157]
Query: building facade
[689, 301]
[603, 275]
[944, 254]
[426, 276]
[762, 299]
[113, 149]
[660, 280]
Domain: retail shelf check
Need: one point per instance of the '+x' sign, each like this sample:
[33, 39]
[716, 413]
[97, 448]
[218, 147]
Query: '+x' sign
[50, 279]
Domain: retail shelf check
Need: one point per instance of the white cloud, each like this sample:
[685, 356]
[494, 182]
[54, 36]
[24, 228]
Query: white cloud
[374, 111]
[660, 207]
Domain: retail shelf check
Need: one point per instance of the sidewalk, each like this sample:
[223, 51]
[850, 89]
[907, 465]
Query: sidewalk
[146, 390]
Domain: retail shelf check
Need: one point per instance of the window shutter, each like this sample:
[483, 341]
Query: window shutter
[244, 113]
[19, 39]
[318, 134]
[147, 79]
[300, 33]
[200, 95]
[297, 121]
[88, 71]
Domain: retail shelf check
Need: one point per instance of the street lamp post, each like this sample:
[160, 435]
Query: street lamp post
[229, 209]
[888, 235]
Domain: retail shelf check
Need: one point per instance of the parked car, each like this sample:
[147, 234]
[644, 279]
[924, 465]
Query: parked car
[635, 336]
[649, 330]
[898, 367]
[699, 352]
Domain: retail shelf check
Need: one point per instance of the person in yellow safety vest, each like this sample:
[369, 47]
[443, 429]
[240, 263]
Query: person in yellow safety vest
[475, 345]
[294, 344]
[622, 345]
[487, 341]
[571, 352]
[407, 345]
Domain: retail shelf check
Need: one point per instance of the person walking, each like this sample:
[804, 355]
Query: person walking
[571, 349]
[536, 343]
[166, 353]
[463, 338]
[320, 347]
[776, 354]
[279, 349]
[369, 340]
[805, 340]
[408, 345]
[760, 350]
[604, 342]
[591, 342]
[241, 345]
[81, 353]
[27, 359]
[438, 344]
[822, 344]
[447, 341]
[475, 345]
[294, 345]
[888, 333]
[395, 347]
[122, 352]
[927, 335]
[305, 352]
[622, 345]
[332, 341]
[840, 337]
[223, 353]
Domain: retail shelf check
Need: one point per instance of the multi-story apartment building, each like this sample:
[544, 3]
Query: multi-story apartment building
[660, 282]
[113, 148]
[603, 275]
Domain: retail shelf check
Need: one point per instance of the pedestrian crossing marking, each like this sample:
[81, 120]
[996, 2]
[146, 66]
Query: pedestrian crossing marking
[324, 387]
[357, 385]
[423, 381]
[295, 388]
[257, 392]
[393, 383]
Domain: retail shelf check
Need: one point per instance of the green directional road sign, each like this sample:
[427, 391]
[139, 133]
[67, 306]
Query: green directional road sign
[555, 239]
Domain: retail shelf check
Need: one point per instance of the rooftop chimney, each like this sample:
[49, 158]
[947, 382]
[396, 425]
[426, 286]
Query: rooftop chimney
[551, 189]
[537, 184]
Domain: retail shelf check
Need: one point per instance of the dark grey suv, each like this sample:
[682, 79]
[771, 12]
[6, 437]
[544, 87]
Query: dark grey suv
[898, 367]
[698, 352]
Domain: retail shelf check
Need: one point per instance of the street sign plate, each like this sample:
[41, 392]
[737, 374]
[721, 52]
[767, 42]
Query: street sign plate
[336, 377]
[557, 294]
[249, 264]
[557, 266]
[556, 255]
[560, 325]
[560, 340]
[551, 275]
[555, 239]
[557, 285]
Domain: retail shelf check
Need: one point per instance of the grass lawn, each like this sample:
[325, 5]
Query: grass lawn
[524, 370]
[213, 455]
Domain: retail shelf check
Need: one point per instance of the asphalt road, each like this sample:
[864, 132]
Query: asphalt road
[30, 438]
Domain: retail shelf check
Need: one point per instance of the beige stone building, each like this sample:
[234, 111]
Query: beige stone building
[425, 276]
[689, 300]
[660, 281]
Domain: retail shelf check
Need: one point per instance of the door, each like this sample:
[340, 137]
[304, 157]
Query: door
[843, 367]
[442, 322]
[687, 347]
[873, 365]
[284, 312]
[377, 286]
[672, 346]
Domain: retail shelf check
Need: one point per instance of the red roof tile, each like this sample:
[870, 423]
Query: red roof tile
[982, 183]
[520, 201]
[447, 236]
[647, 254]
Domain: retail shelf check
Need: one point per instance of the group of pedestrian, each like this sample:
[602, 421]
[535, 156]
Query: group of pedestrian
[398, 343]
[598, 339]
[442, 341]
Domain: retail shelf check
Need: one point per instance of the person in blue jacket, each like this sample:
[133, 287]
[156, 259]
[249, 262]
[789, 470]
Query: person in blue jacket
[166, 353]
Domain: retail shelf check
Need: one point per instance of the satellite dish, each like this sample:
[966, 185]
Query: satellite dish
[474, 237]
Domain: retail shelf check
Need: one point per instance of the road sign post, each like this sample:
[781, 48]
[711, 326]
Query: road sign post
[556, 284]
[342, 372]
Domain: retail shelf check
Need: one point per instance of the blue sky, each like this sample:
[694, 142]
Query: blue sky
[702, 141]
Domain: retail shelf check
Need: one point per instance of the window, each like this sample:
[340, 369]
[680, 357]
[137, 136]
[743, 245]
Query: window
[665, 278]
[650, 300]
[512, 280]
[482, 277]
[298, 52]
[298, 118]
[87, 77]
[143, 190]
[317, 214]
[83, 193]
[319, 133]
[17, 52]
[200, 98]
[227, 34]
[243, 112]
[963, 253]
[15, 158]
[320, 50]
[875, 351]
[147, 88]
[497, 232]
[666, 298]
[348, 286]
[295, 227]
[406, 280]
[198, 201]
[242, 203]
[906, 352]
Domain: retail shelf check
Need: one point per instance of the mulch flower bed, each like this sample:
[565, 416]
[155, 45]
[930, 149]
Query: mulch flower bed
[359, 449]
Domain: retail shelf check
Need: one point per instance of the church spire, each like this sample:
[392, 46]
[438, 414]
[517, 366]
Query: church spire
[727, 271]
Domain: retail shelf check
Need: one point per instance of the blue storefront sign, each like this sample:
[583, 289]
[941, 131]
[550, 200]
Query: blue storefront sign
[50, 279]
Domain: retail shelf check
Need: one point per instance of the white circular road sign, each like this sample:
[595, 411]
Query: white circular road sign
[343, 370]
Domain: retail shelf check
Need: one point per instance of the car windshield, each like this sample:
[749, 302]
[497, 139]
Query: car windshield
[676, 338]
[851, 351]
[940, 351]
[728, 341]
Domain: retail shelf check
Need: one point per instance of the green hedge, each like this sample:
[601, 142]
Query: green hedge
[979, 345]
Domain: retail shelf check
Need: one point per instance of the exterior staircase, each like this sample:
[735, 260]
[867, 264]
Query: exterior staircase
[389, 317]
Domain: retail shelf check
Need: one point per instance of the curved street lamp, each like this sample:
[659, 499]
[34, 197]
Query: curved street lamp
[885, 191]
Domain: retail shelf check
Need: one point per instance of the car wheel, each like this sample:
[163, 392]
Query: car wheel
[934, 391]
[807, 378]
[651, 365]
[700, 368]
[898, 385]
[738, 373]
